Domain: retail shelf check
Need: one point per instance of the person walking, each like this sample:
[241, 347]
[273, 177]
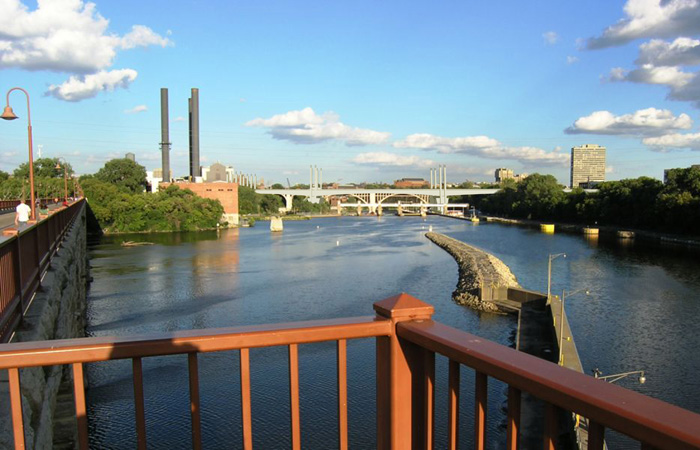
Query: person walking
[22, 213]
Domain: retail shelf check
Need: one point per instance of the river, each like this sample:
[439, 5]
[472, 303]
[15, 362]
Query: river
[640, 314]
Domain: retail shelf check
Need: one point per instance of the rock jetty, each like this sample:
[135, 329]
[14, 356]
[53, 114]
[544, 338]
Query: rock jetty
[476, 267]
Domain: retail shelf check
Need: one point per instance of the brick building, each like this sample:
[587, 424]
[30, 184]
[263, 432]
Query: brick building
[226, 193]
[404, 183]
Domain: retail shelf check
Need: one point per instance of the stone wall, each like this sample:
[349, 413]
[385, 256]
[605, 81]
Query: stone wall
[57, 312]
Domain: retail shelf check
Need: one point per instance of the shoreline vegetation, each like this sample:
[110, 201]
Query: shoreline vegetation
[643, 204]
[476, 268]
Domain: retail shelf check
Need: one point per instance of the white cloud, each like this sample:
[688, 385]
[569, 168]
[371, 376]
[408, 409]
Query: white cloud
[550, 37]
[307, 127]
[645, 122]
[68, 36]
[81, 87]
[9, 154]
[179, 119]
[651, 18]
[392, 159]
[680, 52]
[571, 59]
[609, 169]
[64, 36]
[137, 109]
[683, 86]
[427, 141]
[674, 141]
[142, 36]
[484, 147]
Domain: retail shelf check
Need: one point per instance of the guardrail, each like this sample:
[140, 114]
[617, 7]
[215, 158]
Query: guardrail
[407, 341]
[8, 205]
[24, 258]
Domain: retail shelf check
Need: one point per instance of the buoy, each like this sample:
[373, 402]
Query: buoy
[430, 228]
[337, 243]
[547, 228]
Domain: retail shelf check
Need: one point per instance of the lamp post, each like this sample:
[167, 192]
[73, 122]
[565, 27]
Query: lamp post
[65, 176]
[552, 257]
[8, 114]
[618, 376]
[561, 322]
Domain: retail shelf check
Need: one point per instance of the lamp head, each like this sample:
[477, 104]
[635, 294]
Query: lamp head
[58, 166]
[642, 379]
[8, 114]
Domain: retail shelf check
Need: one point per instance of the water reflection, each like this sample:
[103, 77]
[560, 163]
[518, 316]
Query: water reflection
[640, 315]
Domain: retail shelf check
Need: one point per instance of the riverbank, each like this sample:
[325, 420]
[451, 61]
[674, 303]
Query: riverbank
[608, 230]
[476, 269]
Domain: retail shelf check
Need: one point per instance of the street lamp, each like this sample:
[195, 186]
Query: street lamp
[8, 114]
[618, 376]
[65, 176]
[552, 257]
[561, 322]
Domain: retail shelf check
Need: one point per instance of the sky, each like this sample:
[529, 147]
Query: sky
[366, 90]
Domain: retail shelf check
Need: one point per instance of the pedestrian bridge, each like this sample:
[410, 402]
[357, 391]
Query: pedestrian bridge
[407, 342]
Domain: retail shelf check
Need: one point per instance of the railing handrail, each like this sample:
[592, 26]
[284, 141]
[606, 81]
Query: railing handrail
[24, 257]
[641, 417]
[94, 349]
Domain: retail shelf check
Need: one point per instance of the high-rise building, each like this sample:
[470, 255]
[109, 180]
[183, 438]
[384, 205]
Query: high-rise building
[503, 174]
[130, 156]
[587, 165]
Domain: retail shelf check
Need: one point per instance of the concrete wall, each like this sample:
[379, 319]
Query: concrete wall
[57, 312]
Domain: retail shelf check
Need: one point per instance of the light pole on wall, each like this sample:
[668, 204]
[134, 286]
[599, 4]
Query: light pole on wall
[65, 176]
[8, 114]
[618, 376]
[552, 257]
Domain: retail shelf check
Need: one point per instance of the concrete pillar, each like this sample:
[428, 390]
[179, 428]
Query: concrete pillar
[288, 201]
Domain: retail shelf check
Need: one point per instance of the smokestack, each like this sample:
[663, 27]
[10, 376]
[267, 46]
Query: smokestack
[165, 134]
[194, 134]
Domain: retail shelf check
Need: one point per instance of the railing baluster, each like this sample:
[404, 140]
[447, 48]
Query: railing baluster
[16, 404]
[453, 406]
[246, 416]
[294, 395]
[343, 394]
[513, 432]
[596, 436]
[80, 409]
[139, 403]
[429, 425]
[194, 401]
[551, 426]
[480, 407]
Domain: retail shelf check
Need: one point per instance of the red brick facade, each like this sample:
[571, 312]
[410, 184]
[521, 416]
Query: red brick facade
[226, 193]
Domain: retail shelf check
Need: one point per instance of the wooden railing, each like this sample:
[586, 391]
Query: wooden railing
[24, 258]
[407, 342]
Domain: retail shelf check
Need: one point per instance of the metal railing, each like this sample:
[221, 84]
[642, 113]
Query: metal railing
[407, 340]
[24, 258]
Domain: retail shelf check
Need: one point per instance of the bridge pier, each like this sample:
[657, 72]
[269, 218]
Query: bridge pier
[288, 202]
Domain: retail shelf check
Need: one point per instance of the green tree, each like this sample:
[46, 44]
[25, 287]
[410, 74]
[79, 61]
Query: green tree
[277, 186]
[125, 174]
[44, 168]
[4, 176]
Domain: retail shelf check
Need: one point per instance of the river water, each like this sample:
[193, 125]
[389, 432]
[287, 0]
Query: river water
[641, 314]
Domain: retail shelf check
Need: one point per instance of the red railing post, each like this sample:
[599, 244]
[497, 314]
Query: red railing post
[403, 378]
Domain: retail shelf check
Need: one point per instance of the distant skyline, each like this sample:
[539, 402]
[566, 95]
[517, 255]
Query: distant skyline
[367, 91]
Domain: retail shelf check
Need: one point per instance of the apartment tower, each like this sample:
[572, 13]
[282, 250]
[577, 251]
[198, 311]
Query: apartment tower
[587, 165]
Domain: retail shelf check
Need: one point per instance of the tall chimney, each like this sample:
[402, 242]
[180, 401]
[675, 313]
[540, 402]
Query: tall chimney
[165, 134]
[194, 134]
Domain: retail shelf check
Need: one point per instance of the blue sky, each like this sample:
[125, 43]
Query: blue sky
[368, 91]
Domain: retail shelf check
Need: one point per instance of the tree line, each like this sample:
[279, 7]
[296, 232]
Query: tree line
[117, 195]
[641, 203]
